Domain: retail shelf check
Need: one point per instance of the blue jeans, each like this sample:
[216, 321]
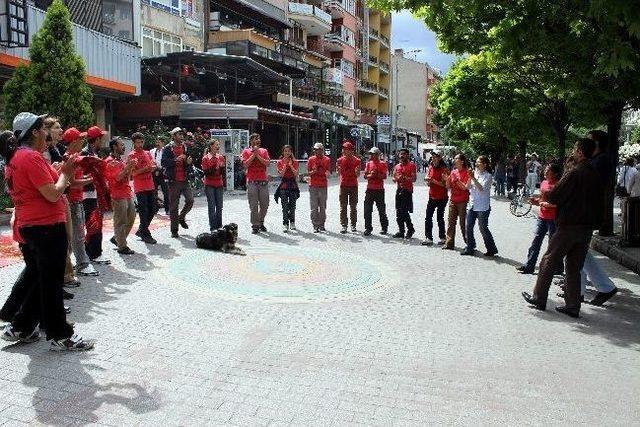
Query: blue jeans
[483, 224]
[543, 226]
[214, 202]
[596, 275]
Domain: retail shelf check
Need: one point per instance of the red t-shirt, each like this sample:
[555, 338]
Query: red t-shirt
[323, 164]
[178, 150]
[546, 213]
[407, 170]
[217, 162]
[142, 181]
[458, 195]
[437, 192]
[119, 190]
[289, 173]
[347, 169]
[256, 170]
[26, 172]
[75, 194]
[376, 182]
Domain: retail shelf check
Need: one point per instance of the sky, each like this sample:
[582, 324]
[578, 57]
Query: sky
[409, 33]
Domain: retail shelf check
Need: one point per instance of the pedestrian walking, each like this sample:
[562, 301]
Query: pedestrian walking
[375, 172]
[288, 190]
[457, 182]
[479, 208]
[319, 169]
[348, 167]
[404, 174]
[546, 223]
[438, 198]
[178, 166]
[255, 160]
[124, 210]
[36, 189]
[159, 179]
[579, 196]
[533, 173]
[144, 187]
[213, 165]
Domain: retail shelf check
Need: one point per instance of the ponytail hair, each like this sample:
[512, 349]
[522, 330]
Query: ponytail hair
[8, 145]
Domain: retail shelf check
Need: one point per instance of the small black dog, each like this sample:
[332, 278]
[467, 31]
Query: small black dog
[223, 239]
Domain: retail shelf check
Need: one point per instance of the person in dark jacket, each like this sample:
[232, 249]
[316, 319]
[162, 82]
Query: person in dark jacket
[601, 161]
[579, 213]
[178, 165]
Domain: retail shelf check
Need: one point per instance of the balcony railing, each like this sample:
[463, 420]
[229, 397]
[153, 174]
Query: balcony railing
[310, 10]
[383, 92]
[384, 40]
[342, 34]
[318, 46]
[384, 66]
[368, 111]
[345, 5]
[367, 87]
[263, 52]
[373, 33]
[373, 60]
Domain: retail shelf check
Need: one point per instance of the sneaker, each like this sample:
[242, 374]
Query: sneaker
[344, 230]
[126, 251]
[101, 260]
[75, 343]
[67, 309]
[263, 228]
[285, 228]
[150, 240]
[316, 230]
[367, 233]
[427, 242]
[292, 226]
[67, 295]
[113, 240]
[399, 235]
[442, 242]
[73, 283]
[11, 335]
[409, 233]
[353, 229]
[322, 228]
[87, 270]
[183, 224]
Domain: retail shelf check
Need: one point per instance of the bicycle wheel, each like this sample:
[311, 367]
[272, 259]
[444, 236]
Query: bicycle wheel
[520, 206]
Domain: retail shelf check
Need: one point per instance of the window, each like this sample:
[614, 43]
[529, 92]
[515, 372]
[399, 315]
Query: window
[117, 18]
[157, 43]
[347, 67]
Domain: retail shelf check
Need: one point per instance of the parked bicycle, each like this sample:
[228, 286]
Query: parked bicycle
[520, 201]
[196, 182]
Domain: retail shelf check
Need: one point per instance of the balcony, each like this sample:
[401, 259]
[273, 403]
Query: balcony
[373, 60]
[384, 67]
[314, 20]
[384, 93]
[317, 45]
[333, 77]
[339, 7]
[339, 38]
[373, 34]
[367, 87]
[385, 40]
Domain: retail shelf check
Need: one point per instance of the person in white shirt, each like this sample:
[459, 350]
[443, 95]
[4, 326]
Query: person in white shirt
[533, 173]
[626, 174]
[479, 208]
[158, 175]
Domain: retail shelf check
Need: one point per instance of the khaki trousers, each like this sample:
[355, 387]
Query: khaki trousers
[348, 195]
[457, 213]
[124, 214]
[318, 203]
[258, 197]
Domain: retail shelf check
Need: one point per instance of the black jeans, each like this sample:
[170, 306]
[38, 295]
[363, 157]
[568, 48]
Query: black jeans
[146, 210]
[436, 206]
[19, 291]
[93, 222]
[159, 181]
[289, 199]
[44, 256]
[404, 206]
[377, 197]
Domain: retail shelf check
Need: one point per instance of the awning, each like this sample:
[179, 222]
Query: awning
[285, 114]
[267, 9]
[207, 111]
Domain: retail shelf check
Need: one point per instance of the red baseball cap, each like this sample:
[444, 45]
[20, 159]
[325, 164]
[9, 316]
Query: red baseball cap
[95, 132]
[72, 134]
[347, 145]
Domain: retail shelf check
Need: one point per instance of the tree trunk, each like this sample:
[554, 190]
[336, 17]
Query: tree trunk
[561, 134]
[613, 112]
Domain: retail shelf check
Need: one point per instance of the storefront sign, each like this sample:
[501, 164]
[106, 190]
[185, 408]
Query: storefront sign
[327, 116]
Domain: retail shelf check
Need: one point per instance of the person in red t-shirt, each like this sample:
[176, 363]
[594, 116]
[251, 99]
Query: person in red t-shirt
[255, 160]
[375, 173]
[438, 198]
[404, 174]
[457, 183]
[288, 190]
[124, 210]
[546, 219]
[348, 167]
[143, 186]
[213, 165]
[319, 167]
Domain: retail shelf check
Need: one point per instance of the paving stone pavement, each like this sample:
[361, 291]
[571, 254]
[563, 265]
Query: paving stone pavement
[344, 330]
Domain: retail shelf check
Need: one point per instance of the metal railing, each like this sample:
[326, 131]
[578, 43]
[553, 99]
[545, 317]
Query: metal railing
[310, 10]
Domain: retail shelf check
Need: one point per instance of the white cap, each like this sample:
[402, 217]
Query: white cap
[318, 146]
[23, 122]
[175, 130]
[437, 152]
[374, 150]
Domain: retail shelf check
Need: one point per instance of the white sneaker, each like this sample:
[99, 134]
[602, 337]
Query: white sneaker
[427, 242]
[11, 335]
[344, 230]
[75, 343]
[354, 229]
[292, 226]
[87, 270]
[442, 241]
[101, 260]
[285, 228]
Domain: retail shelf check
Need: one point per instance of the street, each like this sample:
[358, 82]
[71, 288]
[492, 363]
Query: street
[328, 329]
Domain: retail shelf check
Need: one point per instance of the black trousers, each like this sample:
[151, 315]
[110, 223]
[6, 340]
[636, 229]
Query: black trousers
[438, 207]
[44, 256]
[146, 210]
[19, 291]
[404, 206]
[159, 181]
[377, 197]
[289, 199]
[93, 239]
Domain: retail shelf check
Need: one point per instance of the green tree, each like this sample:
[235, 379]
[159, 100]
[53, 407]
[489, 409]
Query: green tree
[54, 80]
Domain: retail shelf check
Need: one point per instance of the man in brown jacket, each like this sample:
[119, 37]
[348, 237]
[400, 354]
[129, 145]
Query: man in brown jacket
[579, 198]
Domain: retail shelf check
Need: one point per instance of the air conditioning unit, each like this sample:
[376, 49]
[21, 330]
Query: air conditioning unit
[214, 21]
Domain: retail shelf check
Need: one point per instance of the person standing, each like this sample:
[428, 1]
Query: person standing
[124, 210]
[546, 219]
[319, 169]
[288, 190]
[457, 182]
[178, 165]
[579, 196]
[94, 195]
[479, 208]
[625, 177]
[604, 166]
[375, 172]
[348, 167]
[36, 190]
[438, 198]
[533, 173]
[143, 186]
[404, 174]
[255, 160]
[158, 175]
[213, 164]
[500, 177]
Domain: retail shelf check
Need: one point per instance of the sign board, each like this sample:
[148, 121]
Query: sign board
[384, 134]
[328, 116]
[383, 119]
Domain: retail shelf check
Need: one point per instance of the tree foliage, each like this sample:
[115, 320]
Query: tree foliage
[54, 80]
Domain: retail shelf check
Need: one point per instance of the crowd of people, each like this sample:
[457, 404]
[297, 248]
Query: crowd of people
[61, 188]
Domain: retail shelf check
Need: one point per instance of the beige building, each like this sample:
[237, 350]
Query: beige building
[169, 26]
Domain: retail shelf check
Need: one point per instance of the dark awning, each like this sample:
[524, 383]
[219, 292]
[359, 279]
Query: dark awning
[264, 9]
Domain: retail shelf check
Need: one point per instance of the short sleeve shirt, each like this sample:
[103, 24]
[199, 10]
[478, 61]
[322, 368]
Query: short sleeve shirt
[322, 164]
[545, 212]
[437, 192]
[458, 195]
[347, 168]
[178, 150]
[217, 163]
[480, 200]
[408, 169]
[256, 170]
[119, 189]
[289, 173]
[376, 182]
[142, 181]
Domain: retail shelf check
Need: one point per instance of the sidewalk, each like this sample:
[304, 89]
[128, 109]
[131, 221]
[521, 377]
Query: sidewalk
[610, 246]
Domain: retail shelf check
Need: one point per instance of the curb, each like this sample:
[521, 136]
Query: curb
[610, 246]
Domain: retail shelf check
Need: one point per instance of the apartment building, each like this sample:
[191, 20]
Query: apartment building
[172, 26]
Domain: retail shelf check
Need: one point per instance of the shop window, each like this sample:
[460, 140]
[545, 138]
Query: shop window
[158, 43]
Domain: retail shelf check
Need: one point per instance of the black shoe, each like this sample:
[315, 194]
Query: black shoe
[316, 230]
[383, 232]
[67, 295]
[113, 240]
[602, 297]
[491, 253]
[255, 230]
[263, 228]
[139, 233]
[183, 224]
[561, 295]
[150, 240]
[321, 228]
[467, 252]
[175, 235]
[571, 312]
[534, 301]
[399, 235]
[410, 233]
[126, 251]
[367, 233]
[448, 248]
